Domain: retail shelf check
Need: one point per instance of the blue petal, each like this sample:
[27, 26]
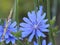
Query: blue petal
[44, 42]
[43, 16]
[10, 35]
[25, 25]
[1, 34]
[35, 43]
[40, 17]
[25, 34]
[38, 33]
[44, 30]
[27, 20]
[50, 43]
[39, 14]
[44, 26]
[1, 39]
[13, 24]
[47, 25]
[1, 28]
[36, 37]
[6, 35]
[41, 8]
[32, 16]
[13, 29]
[24, 29]
[13, 41]
[7, 41]
[44, 21]
[43, 35]
[31, 36]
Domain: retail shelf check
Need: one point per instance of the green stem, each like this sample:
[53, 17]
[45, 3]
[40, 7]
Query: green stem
[54, 8]
[39, 41]
[48, 10]
[48, 16]
[35, 5]
[15, 10]
[52, 37]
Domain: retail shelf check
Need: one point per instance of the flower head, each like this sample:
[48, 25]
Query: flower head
[8, 36]
[34, 25]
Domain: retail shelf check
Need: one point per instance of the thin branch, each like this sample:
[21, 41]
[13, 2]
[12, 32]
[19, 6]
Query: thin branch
[7, 21]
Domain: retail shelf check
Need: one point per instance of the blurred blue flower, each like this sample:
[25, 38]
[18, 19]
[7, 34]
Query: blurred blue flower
[43, 43]
[35, 43]
[35, 25]
[8, 36]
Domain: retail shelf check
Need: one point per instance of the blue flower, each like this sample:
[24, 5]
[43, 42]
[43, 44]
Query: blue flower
[8, 35]
[43, 43]
[34, 25]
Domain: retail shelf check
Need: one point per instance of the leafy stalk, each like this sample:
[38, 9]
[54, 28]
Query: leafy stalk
[15, 15]
[48, 16]
[48, 10]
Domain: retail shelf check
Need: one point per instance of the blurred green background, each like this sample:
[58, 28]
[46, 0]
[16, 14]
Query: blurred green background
[23, 7]
[28, 5]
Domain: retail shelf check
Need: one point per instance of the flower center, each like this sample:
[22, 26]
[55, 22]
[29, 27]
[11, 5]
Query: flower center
[35, 26]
